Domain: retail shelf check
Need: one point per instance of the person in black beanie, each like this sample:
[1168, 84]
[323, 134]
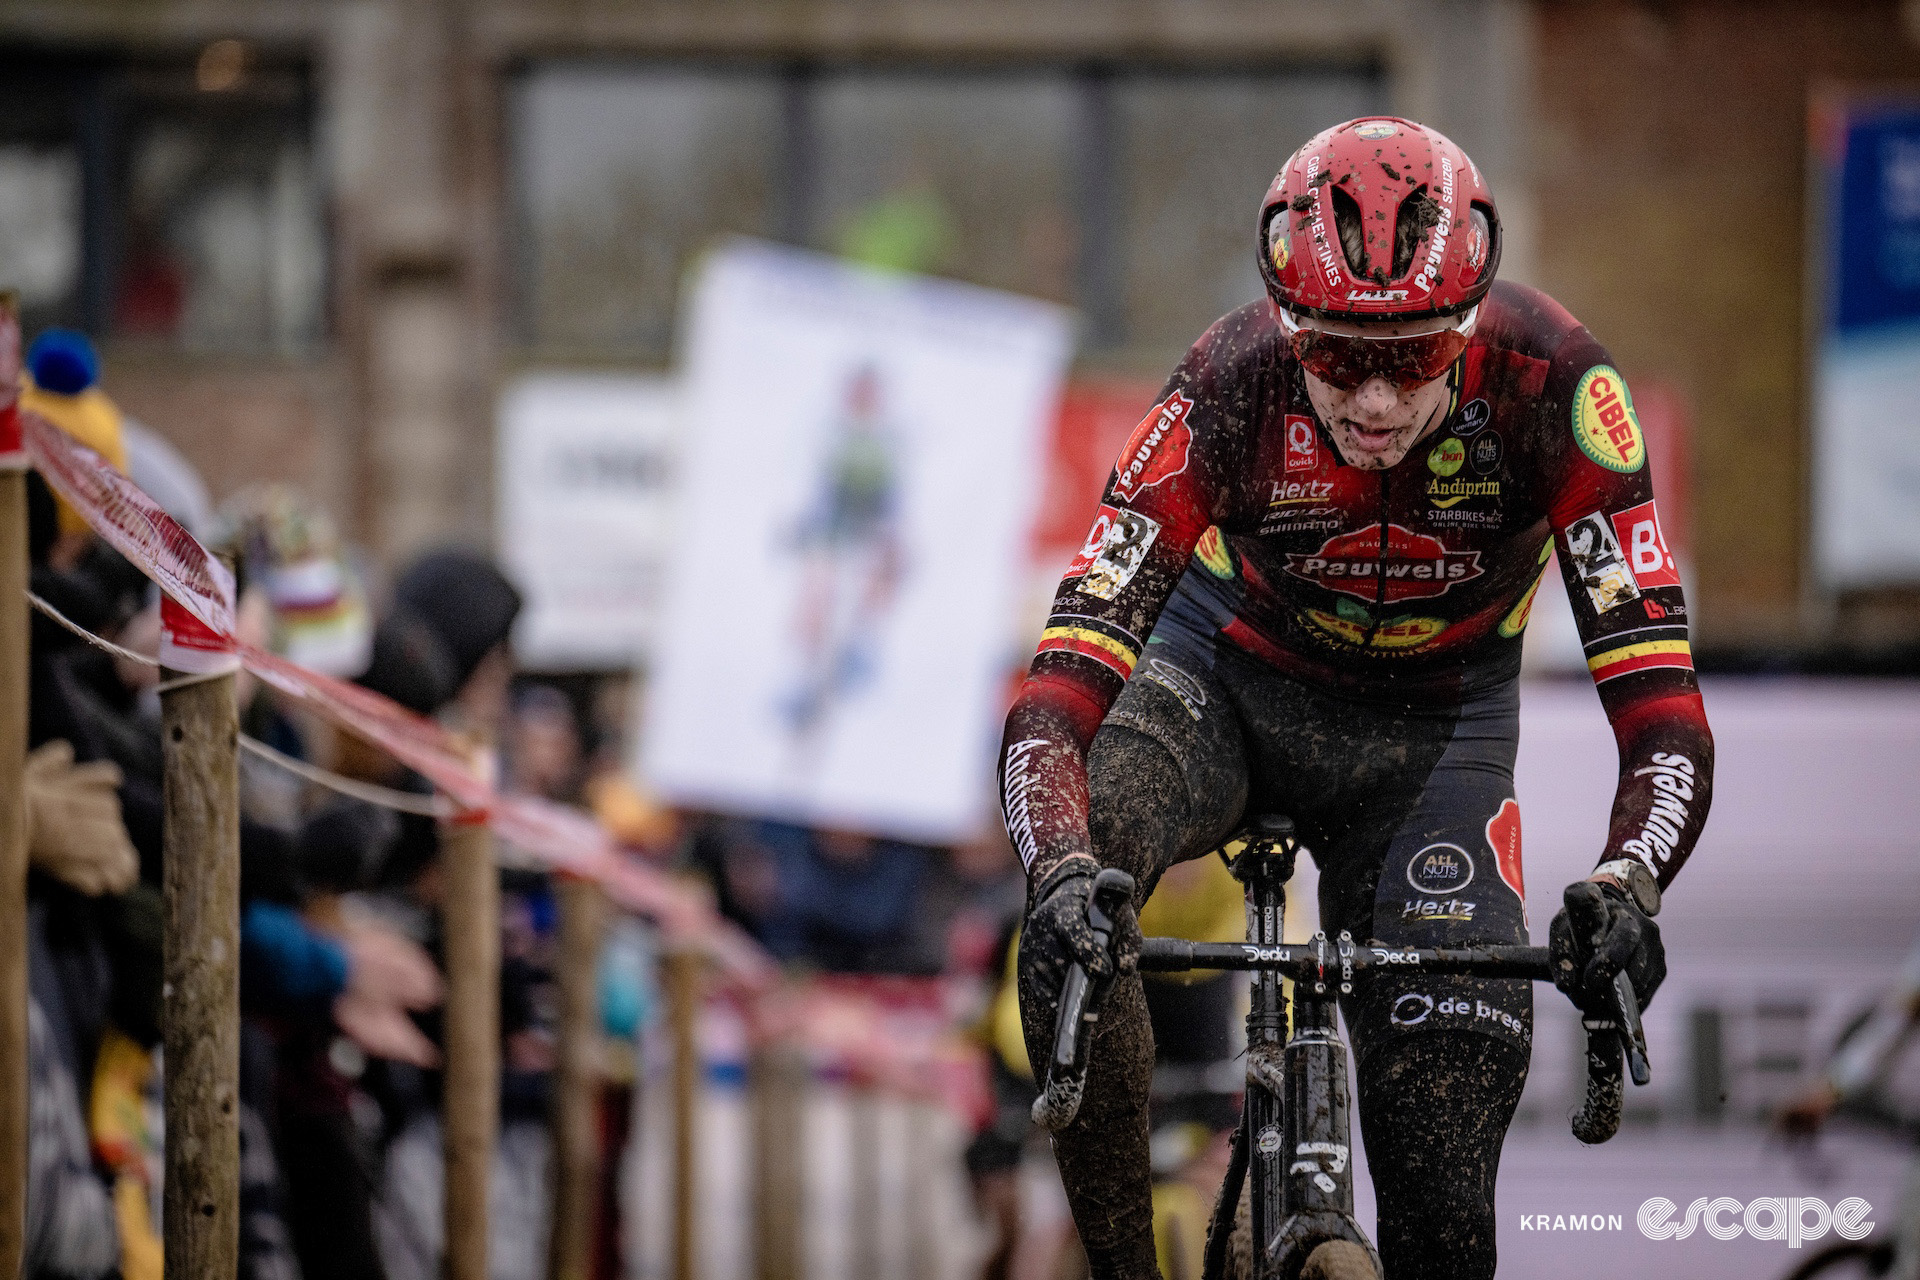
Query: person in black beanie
[469, 607]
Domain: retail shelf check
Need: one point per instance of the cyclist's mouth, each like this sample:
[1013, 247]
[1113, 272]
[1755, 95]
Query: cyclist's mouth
[1372, 439]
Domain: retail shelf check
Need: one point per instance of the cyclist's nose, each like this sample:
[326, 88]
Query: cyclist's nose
[1375, 398]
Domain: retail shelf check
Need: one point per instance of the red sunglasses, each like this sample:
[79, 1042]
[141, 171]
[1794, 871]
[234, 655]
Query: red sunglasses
[1346, 360]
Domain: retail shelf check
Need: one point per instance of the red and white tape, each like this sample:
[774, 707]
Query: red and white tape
[197, 612]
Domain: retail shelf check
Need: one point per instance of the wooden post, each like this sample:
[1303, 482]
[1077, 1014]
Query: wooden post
[470, 1097]
[777, 1079]
[13, 865]
[683, 1007]
[576, 1100]
[200, 835]
[869, 1188]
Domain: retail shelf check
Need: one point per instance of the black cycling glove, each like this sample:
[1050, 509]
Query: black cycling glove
[1598, 933]
[1056, 934]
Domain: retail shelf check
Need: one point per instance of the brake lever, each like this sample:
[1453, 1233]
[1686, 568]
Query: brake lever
[1080, 1001]
[1633, 1035]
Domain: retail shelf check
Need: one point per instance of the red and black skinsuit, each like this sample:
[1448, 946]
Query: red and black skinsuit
[1256, 626]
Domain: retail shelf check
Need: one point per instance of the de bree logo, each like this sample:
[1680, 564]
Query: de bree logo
[1415, 565]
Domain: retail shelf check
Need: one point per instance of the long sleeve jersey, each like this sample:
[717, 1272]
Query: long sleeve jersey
[1408, 586]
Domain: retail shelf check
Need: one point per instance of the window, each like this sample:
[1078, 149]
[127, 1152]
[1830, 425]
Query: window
[1128, 192]
[169, 201]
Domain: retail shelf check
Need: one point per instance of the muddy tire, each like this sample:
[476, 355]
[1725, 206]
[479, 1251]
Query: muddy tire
[1240, 1243]
[1339, 1260]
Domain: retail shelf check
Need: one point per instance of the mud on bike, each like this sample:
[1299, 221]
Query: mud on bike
[1295, 1221]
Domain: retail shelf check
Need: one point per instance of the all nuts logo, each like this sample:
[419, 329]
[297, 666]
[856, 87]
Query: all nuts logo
[1157, 448]
[1415, 565]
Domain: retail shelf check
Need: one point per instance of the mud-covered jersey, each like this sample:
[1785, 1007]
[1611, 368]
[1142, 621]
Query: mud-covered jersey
[1231, 508]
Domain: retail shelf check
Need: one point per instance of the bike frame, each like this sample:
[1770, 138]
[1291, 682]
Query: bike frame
[1294, 1134]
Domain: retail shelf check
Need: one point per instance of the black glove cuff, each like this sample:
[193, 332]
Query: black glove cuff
[1076, 867]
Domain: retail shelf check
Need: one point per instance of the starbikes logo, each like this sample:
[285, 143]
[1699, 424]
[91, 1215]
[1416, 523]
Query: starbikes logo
[1414, 565]
[1157, 449]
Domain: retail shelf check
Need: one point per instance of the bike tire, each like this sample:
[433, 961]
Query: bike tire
[1339, 1260]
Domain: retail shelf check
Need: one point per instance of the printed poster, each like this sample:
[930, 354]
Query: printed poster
[1866, 508]
[585, 465]
[861, 459]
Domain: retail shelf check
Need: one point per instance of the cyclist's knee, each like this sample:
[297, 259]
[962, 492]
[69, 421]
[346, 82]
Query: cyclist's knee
[1137, 803]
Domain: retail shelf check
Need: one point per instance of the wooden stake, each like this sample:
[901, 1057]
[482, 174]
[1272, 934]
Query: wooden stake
[777, 1079]
[869, 1190]
[683, 1007]
[470, 1099]
[200, 834]
[13, 869]
[576, 1102]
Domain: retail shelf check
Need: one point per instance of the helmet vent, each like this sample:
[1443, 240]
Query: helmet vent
[1353, 236]
[1417, 215]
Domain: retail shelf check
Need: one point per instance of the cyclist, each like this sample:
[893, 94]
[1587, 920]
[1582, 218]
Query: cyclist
[1304, 593]
[1854, 1084]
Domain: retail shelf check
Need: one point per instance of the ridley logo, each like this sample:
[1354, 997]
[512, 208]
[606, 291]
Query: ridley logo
[1415, 565]
[1303, 447]
[1503, 837]
[1157, 449]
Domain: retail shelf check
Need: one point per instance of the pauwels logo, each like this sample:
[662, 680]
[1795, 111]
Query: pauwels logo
[1415, 565]
[1157, 448]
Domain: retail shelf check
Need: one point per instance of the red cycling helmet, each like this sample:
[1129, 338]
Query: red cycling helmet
[1375, 219]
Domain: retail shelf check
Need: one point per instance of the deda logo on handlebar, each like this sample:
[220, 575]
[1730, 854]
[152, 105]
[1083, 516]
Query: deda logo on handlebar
[1292, 1141]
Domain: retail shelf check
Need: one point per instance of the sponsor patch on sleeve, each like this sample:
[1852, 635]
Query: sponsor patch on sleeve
[1129, 536]
[1604, 423]
[1645, 547]
[1157, 450]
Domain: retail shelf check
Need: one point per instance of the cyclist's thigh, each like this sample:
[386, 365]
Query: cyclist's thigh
[1448, 875]
[1166, 775]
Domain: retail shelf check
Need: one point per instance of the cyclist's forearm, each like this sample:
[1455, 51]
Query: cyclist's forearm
[1043, 774]
[1666, 778]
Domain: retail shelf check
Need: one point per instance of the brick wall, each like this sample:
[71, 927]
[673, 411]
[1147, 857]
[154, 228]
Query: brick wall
[1671, 166]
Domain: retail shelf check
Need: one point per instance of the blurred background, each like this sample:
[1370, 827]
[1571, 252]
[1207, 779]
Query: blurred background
[431, 266]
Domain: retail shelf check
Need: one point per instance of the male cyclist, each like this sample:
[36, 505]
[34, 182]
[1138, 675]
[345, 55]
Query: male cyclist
[1304, 593]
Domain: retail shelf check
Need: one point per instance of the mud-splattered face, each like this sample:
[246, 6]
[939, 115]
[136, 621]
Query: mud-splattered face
[1376, 424]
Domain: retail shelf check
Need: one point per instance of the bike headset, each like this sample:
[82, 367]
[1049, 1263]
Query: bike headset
[1379, 223]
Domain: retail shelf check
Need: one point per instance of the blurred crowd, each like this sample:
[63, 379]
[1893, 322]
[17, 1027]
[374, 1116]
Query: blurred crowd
[341, 928]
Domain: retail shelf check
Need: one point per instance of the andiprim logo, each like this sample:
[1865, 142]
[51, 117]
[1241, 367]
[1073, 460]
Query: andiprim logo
[1794, 1219]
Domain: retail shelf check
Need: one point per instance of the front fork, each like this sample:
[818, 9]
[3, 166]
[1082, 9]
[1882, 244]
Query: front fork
[1302, 1146]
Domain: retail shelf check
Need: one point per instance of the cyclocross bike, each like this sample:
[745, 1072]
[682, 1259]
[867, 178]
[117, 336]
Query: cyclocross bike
[1293, 1139]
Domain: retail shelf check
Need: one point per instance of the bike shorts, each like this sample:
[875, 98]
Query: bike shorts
[1407, 810]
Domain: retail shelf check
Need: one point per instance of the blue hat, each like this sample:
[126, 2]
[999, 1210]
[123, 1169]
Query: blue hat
[63, 361]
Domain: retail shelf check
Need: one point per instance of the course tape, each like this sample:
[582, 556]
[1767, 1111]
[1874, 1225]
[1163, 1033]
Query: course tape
[880, 1042]
[132, 523]
[193, 579]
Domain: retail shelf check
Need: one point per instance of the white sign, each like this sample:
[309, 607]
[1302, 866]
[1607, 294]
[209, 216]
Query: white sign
[863, 455]
[585, 473]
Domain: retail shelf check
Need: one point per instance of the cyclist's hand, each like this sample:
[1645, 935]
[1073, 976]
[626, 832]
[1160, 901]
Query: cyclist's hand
[1597, 934]
[1056, 934]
